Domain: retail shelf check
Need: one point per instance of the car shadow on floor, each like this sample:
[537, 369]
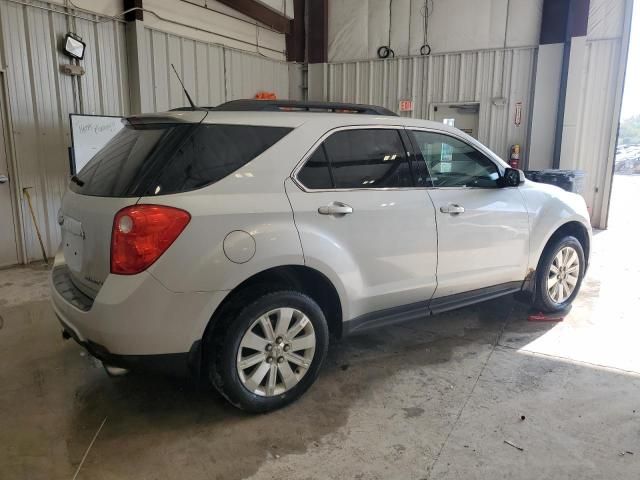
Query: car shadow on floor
[151, 417]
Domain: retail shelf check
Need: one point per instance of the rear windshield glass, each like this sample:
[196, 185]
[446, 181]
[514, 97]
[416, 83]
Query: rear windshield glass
[162, 159]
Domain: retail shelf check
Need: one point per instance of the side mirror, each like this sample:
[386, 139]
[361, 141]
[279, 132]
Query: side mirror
[511, 178]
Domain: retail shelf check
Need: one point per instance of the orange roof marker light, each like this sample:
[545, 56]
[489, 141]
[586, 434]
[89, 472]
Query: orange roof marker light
[265, 96]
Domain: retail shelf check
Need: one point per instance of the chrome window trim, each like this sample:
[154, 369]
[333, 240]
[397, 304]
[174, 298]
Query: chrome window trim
[483, 150]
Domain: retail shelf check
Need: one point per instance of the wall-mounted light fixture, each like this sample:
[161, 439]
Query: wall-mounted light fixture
[74, 46]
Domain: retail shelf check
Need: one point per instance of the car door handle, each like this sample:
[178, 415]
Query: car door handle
[335, 208]
[452, 209]
[4, 179]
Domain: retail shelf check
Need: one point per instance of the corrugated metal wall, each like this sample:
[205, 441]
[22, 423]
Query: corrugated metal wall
[213, 74]
[41, 98]
[597, 123]
[479, 77]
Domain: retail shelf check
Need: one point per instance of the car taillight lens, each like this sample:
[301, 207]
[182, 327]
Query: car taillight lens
[141, 234]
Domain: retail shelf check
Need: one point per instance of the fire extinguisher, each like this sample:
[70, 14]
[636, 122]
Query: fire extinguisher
[514, 160]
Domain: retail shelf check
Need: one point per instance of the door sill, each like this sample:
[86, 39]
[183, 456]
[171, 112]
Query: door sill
[459, 300]
[414, 311]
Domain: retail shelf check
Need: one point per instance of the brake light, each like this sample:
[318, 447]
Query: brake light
[141, 234]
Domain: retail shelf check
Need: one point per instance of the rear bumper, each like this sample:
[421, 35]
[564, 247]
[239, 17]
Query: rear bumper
[186, 364]
[134, 320]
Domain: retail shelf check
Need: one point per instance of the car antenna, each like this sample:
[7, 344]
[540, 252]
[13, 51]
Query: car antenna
[193, 105]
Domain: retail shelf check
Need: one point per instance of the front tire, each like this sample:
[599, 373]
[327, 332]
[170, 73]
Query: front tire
[271, 353]
[559, 275]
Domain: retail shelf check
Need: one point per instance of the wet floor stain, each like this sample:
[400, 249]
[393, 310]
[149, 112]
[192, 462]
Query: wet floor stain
[412, 412]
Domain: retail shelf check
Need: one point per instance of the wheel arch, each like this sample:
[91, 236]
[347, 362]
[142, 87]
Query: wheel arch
[575, 229]
[295, 277]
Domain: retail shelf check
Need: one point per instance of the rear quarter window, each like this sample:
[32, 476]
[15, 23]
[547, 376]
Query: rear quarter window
[165, 159]
[120, 167]
[211, 153]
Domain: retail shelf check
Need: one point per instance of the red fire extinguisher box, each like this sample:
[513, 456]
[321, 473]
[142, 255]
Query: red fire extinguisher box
[514, 159]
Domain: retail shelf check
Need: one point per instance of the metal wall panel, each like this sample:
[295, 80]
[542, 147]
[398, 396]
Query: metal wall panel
[357, 28]
[213, 74]
[597, 124]
[41, 98]
[247, 74]
[477, 76]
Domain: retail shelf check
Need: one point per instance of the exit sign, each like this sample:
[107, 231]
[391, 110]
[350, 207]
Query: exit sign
[406, 105]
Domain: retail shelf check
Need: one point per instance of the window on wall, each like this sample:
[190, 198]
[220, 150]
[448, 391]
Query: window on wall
[454, 163]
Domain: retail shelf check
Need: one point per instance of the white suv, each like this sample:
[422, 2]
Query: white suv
[232, 242]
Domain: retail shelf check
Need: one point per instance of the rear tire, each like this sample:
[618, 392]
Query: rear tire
[559, 275]
[271, 352]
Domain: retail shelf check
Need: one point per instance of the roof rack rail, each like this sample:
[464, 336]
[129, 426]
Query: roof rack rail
[306, 106]
[294, 106]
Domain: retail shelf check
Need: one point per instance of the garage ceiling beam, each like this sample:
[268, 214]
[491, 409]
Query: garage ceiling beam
[261, 13]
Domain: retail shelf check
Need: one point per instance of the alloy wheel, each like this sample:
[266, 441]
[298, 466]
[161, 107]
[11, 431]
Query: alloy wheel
[276, 351]
[563, 274]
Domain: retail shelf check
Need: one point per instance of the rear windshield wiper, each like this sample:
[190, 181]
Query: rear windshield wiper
[76, 180]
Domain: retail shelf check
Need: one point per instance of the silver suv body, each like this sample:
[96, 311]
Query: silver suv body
[232, 243]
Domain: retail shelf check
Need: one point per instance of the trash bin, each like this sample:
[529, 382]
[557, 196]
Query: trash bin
[569, 180]
[531, 175]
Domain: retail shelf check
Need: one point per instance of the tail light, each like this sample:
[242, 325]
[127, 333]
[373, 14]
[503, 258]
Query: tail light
[141, 234]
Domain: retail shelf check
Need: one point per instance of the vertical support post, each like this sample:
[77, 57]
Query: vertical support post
[318, 31]
[134, 32]
[563, 21]
[296, 37]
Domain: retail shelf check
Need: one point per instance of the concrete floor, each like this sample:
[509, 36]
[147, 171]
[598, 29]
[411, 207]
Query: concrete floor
[434, 399]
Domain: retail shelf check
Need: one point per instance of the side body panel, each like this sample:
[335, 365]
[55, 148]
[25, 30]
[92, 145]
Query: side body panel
[486, 245]
[240, 226]
[382, 255]
[549, 208]
[250, 200]
[137, 315]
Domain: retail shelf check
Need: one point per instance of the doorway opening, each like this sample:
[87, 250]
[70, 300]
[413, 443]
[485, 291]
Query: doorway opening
[625, 190]
[463, 116]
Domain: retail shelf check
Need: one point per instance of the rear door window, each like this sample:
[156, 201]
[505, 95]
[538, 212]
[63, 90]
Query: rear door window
[368, 158]
[171, 158]
[316, 173]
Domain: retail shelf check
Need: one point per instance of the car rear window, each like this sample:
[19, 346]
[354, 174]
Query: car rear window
[170, 158]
